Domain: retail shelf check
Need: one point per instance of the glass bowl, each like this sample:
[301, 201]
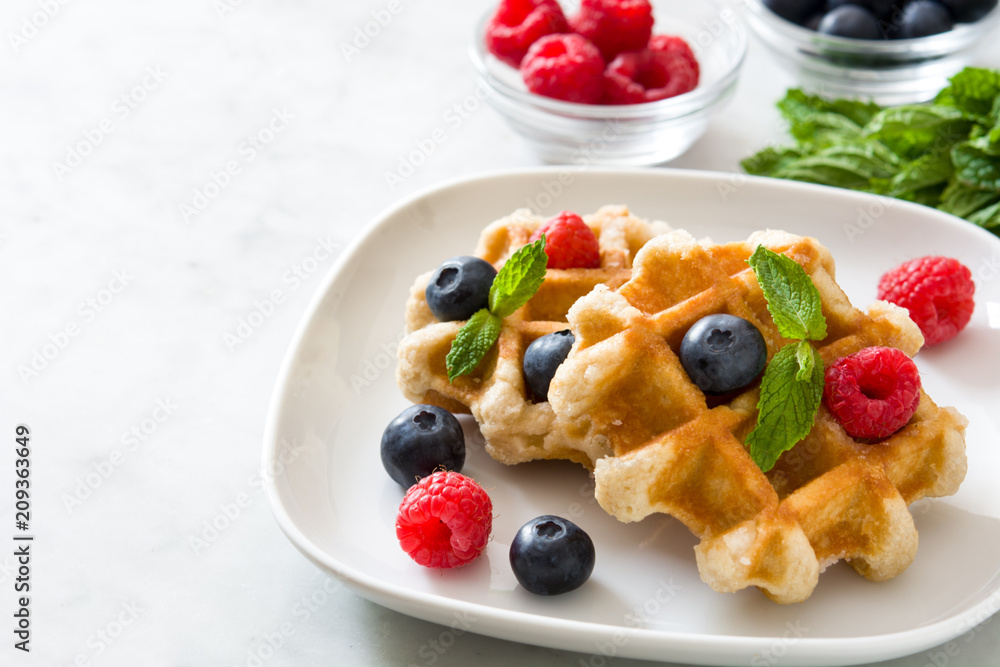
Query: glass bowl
[633, 134]
[889, 72]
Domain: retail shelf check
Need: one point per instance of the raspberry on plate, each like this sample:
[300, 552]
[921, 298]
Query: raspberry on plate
[444, 520]
[614, 26]
[517, 24]
[569, 243]
[873, 392]
[938, 292]
[665, 69]
[564, 67]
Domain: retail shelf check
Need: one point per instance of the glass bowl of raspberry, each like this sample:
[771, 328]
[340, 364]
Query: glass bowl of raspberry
[889, 51]
[609, 82]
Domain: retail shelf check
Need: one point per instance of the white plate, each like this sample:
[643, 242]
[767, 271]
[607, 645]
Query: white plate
[645, 600]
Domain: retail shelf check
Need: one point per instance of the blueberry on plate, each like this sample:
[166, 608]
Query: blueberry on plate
[922, 18]
[723, 353]
[796, 11]
[850, 21]
[551, 555]
[422, 439]
[968, 11]
[460, 287]
[541, 360]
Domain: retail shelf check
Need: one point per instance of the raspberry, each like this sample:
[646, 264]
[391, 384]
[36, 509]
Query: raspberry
[873, 392]
[517, 24]
[564, 67]
[665, 69]
[569, 243]
[936, 290]
[444, 520]
[614, 26]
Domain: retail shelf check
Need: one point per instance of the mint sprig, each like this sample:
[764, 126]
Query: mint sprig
[517, 281]
[944, 153]
[792, 299]
[792, 386]
[790, 395]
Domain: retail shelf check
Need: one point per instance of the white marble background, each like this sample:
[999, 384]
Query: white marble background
[166, 170]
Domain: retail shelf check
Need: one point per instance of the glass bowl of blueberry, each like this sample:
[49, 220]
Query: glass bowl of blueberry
[609, 82]
[889, 51]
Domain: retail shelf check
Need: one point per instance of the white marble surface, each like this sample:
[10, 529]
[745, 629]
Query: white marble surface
[175, 178]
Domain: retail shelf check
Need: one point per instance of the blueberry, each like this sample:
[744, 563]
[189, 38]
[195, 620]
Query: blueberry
[422, 439]
[722, 353]
[459, 288]
[796, 11]
[882, 9]
[551, 555]
[812, 23]
[922, 18]
[541, 360]
[850, 21]
[967, 11]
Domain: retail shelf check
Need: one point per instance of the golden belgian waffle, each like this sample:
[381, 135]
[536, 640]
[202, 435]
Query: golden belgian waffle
[515, 428]
[677, 452]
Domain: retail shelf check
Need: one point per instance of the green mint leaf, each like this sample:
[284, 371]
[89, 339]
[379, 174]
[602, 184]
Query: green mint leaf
[972, 90]
[769, 160]
[817, 120]
[472, 343]
[987, 217]
[977, 163]
[519, 278]
[911, 131]
[930, 169]
[961, 200]
[787, 405]
[792, 299]
[806, 359]
[852, 165]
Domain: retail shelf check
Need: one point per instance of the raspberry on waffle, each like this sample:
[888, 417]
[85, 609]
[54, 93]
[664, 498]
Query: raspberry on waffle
[673, 450]
[515, 428]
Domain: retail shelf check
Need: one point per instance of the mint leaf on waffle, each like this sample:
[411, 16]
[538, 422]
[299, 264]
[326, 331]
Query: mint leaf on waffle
[472, 343]
[517, 281]
[792, 299]
[790, 394]
[792, 386]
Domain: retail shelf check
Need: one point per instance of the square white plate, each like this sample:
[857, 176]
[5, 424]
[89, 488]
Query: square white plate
[645, 599]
